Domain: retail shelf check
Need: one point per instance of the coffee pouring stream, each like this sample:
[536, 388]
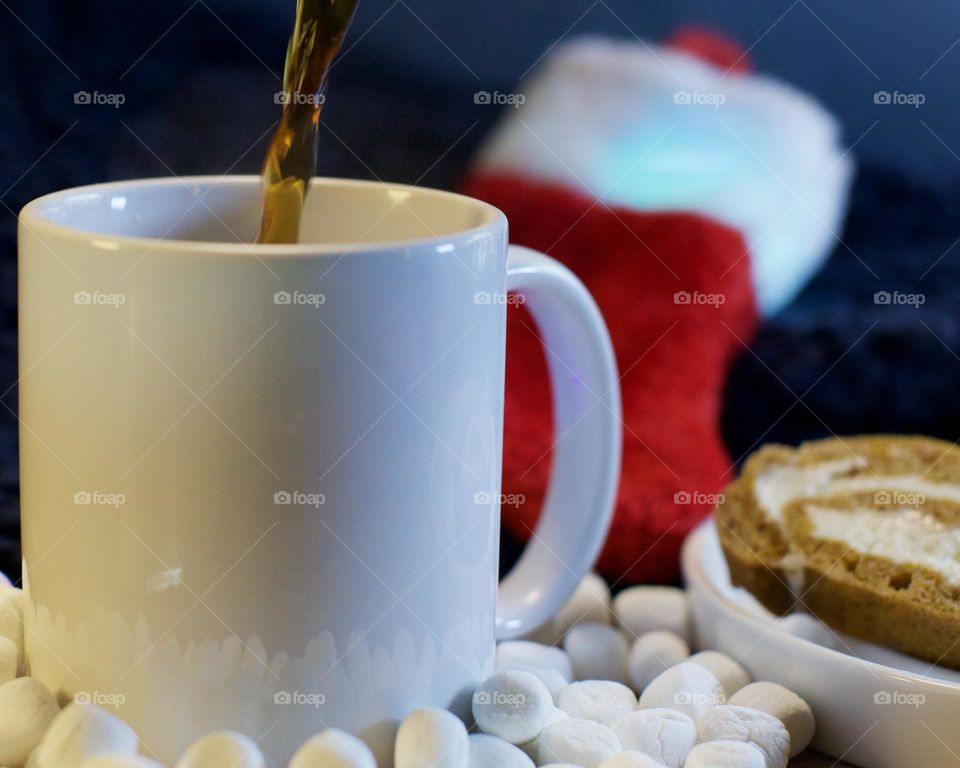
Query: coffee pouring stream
[291, 159]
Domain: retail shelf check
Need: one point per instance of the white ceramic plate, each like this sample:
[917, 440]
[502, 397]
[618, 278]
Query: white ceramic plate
[874, 707]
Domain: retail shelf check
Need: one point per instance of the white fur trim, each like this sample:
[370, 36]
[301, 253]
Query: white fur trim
[610, 118]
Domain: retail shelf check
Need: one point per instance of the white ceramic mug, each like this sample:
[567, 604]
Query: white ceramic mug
[261, 484]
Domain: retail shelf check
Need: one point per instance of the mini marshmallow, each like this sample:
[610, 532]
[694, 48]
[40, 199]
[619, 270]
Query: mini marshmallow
[222, 749]
[631, 760]
[597, 652]
[9, 659]
[730, 674]
[665, 734]
[653, 653]
[783, 704]
[589, 604]
[11, 619]
[602, 701]
[512, 705]
[686, 687]
[639, 610]
[333, 748]
[732, 723]
[725, 754]
[523, 653]
[80, 731]
[532, 747]
[119, 760]
[432, 738]
[490, 752]
[581, 742]
[550, 677]
[26, 711]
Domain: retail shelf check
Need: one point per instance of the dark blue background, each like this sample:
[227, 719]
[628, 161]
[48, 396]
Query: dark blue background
[198, 78]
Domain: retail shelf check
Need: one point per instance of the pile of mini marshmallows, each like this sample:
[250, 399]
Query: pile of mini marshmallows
[566, 698]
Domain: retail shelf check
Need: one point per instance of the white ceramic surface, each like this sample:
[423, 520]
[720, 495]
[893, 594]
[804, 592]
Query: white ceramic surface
[874, 708]
[261, 484]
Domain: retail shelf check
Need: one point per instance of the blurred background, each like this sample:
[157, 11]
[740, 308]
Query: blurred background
[198, 77]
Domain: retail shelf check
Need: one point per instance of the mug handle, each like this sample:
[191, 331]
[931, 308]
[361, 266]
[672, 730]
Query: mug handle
[582, 489]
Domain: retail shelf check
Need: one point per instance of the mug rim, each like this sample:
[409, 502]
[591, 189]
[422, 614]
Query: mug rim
[32, 219]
